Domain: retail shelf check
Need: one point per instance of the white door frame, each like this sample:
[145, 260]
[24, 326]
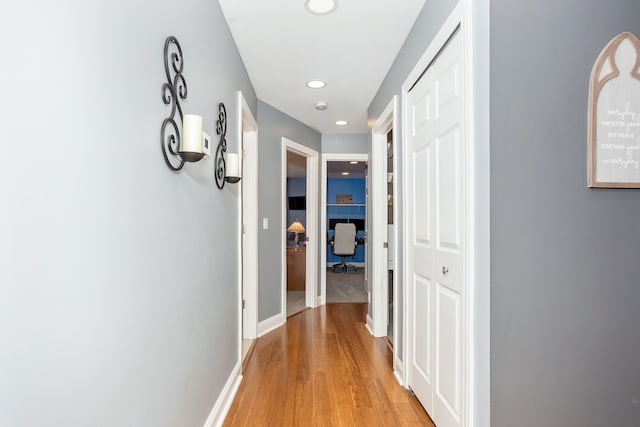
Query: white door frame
[473, 21]
[378, 218]
[329, 157]
[311, 278]
[247, 135]
[387, 121]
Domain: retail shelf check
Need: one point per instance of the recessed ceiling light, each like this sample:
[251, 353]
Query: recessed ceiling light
[321, 7]
[341, 123]
[321, 105]
[316, 84]
[345, 173]
[353, 163]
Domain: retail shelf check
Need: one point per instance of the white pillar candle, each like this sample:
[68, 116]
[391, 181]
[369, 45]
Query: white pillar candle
[233, 165]
[191, 133]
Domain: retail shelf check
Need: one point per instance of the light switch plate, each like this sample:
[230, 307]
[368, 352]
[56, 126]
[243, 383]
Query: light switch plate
[265, 223]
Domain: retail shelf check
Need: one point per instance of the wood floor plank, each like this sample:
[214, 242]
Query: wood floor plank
[323, 368]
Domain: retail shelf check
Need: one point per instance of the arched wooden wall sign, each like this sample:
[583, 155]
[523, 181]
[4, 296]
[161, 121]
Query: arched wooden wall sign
[614, 115]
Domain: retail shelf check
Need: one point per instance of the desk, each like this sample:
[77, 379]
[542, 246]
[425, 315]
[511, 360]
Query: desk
[296, 268]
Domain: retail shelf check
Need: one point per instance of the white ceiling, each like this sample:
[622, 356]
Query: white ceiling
[283, 46]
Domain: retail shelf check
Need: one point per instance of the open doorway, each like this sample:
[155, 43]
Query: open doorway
[296, 232]
[247, 134]
[344, 231]
[390, 239]
[345, 228]
[385, 281]
[299, 226]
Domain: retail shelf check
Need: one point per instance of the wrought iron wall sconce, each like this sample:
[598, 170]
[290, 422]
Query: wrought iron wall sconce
[193, 145]
[226, 170]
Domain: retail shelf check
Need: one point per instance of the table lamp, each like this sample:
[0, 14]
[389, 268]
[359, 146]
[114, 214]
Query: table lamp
[297, 228]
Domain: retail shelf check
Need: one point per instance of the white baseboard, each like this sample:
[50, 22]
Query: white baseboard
[398, 370]
[320, 301]
[270, 324]
[369, 324]
[220, 409]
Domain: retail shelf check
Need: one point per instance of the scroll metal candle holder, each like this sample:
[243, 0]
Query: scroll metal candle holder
[219, 162]
[173, 91]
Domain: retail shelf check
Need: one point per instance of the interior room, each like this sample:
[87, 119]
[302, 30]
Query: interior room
[296, 236]
[346, 204]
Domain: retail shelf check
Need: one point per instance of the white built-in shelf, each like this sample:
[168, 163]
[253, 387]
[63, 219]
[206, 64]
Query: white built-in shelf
[346, 204]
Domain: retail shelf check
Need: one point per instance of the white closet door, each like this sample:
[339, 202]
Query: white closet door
[436, 143]
[420, 138]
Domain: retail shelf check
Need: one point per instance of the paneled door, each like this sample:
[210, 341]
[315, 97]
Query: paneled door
[437, 153]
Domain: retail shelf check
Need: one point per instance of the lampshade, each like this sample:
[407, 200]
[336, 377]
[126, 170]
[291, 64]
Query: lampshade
[296, 227]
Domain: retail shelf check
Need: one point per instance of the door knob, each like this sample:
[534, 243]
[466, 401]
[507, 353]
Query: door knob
[445, 270]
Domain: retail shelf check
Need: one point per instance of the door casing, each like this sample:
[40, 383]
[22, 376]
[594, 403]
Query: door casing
[387, 121]
[247, 135]
[311, 278]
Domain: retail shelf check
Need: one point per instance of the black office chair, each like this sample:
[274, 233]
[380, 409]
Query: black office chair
[344, 245]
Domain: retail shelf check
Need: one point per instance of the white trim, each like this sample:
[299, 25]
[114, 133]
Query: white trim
[474, 20]
[225, 399]
[311, 287]
[311, 278]
[476, 16]
[247, 136]
[268, 325]
[378, 219]
[398, 371]
[320, 300]
[369, 324]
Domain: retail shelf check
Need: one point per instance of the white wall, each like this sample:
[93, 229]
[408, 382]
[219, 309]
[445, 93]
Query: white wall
[118, 277]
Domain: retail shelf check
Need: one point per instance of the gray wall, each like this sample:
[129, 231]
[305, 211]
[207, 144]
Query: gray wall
[565, 298]
[350, 143]
[272, 126]
[118, 277]
[427, 24]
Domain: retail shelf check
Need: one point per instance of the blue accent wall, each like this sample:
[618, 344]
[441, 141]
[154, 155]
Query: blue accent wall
[355, 187]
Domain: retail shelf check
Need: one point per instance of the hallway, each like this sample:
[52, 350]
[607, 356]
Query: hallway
[323, 368]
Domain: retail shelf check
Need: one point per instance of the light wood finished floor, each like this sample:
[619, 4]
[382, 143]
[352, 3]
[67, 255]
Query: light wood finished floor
[323, 368]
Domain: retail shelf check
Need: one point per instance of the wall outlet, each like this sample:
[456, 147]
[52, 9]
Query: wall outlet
[265, 223]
